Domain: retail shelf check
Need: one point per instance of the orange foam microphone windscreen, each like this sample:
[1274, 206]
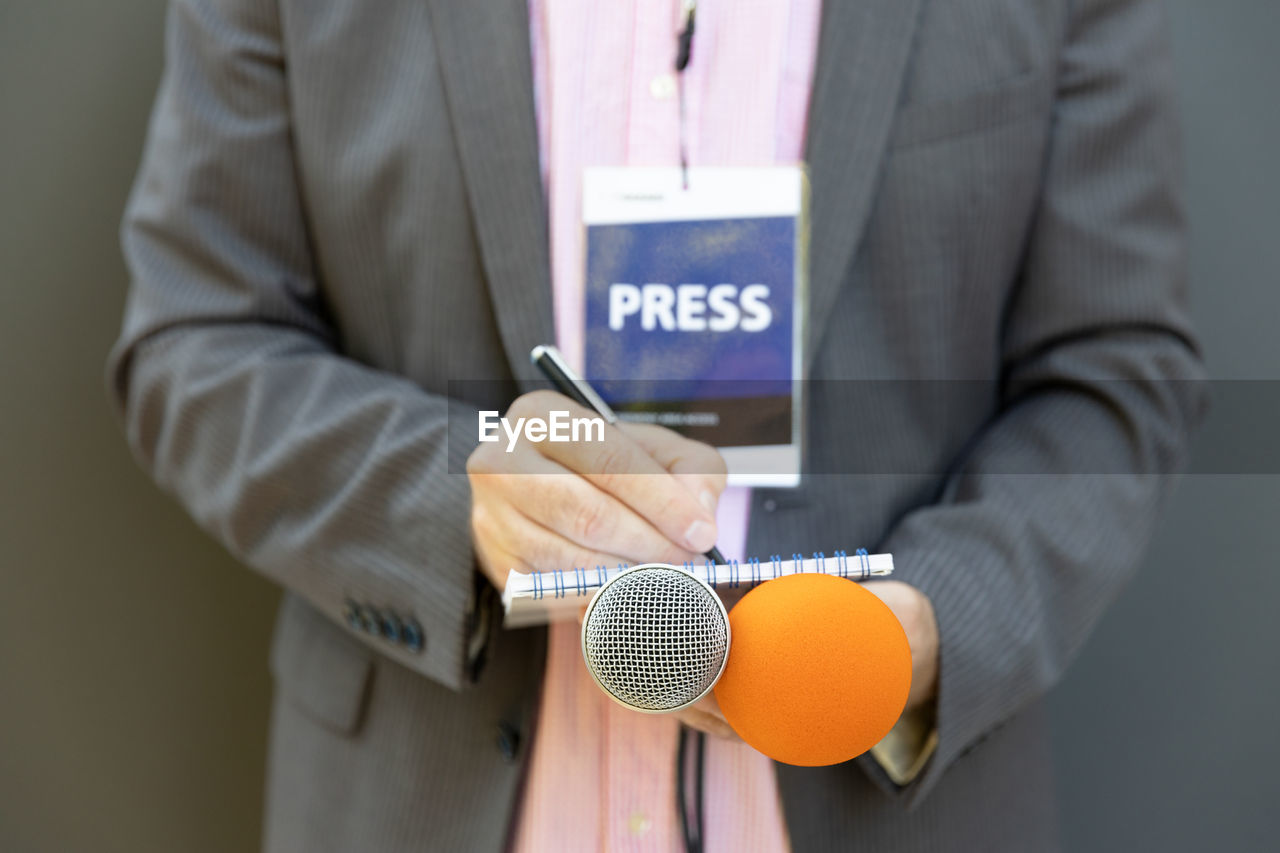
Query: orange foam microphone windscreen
[818, 672]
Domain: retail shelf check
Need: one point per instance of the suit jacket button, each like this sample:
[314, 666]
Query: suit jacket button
[508, 741]
[411, 635]
[351, 612]
[368, 619]
[770, 505]
[390, 627]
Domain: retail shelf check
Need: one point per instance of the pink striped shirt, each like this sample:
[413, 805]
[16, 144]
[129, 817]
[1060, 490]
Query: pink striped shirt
[602, 777]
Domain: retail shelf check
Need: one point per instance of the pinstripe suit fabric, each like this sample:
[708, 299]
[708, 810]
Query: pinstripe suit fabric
[339, 211]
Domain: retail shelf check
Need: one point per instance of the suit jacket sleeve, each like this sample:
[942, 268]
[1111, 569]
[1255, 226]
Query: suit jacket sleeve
[1048, 511]
[329, 477]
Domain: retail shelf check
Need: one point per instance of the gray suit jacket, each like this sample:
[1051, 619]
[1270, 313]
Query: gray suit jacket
[340, 211]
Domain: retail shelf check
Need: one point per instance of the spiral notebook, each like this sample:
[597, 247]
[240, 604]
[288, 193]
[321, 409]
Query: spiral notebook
[536, 598]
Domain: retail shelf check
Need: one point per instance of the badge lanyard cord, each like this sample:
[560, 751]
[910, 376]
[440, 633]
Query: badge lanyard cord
[684, 52]
[691, 818]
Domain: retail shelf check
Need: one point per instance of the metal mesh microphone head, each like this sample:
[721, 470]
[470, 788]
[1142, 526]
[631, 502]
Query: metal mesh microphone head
[655, 638]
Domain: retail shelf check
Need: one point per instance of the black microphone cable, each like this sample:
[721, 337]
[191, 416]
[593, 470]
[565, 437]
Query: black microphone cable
[691, 819]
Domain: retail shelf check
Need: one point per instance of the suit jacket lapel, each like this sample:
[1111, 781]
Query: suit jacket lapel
[862, 55]
[484, 57]
[484, 49]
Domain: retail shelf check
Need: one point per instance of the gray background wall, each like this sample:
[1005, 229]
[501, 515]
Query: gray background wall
[133, 683]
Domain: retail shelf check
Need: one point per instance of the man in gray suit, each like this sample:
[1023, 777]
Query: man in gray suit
[340, 211]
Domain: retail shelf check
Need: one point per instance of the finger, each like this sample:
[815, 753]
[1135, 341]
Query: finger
[698, 719]
[612, 465]
[623, 469]
[698, 466]
[518, 543]
[897, 596]
[570, 506]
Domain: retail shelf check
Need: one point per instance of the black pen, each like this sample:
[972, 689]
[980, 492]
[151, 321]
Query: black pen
[552, 364]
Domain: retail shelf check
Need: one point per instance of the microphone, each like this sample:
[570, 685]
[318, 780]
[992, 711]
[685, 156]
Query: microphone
[820, 670]
[818, 673]
[655, 638]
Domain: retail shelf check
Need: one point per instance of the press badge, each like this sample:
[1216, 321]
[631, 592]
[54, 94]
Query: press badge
[695, 306]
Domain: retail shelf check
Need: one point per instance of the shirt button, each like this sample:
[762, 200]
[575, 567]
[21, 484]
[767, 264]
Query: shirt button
[770, 505]
[638, 824]
[663, 86]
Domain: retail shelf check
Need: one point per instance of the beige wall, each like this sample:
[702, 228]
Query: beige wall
[133, 680]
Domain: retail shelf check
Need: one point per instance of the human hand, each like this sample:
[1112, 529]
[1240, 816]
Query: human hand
[645, 494]
[705, 716]
[915, 611]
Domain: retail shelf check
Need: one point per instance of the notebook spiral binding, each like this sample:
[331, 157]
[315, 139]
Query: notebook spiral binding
[858, 568]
